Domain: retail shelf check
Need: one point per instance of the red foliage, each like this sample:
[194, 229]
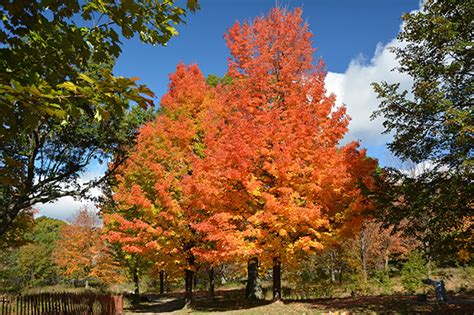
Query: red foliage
[274, 178]
[249, 168]
[152, 218]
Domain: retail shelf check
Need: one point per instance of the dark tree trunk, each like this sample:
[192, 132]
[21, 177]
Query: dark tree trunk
[167, 284]
[340, 276]
[195, 281]
[189, 285]
[276, 279]
[189, 275]
[253, 290]
[7, 217]
[162, 282]
[211, 282]
[136, 281]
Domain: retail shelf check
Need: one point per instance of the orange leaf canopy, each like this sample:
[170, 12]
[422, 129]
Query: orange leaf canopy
[249, 168]
[151, 217]
[274, 178]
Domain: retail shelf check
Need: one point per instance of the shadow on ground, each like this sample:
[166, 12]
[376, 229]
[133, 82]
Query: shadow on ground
[225, 300]
[231, 300]
[159, 305]
[388, 305]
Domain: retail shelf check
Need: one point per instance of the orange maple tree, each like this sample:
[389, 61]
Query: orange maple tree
[274, 178]
[151, 217]
[251, 170]
[82, 254]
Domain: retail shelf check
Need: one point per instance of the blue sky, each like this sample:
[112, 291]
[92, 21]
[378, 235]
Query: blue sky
[342, 29]
[352, 36]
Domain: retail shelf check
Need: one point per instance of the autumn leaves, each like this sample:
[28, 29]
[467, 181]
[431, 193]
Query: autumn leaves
[243, 170]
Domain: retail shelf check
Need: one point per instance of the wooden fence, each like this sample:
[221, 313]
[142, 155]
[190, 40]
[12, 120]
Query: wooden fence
[61, 304]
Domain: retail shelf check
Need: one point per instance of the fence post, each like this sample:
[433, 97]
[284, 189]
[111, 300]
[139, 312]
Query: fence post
[43, 302]
[118, 304]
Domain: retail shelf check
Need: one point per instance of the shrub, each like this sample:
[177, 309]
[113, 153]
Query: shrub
[381, 280]
[413, 272]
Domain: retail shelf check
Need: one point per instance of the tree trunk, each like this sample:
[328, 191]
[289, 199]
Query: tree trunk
[427, 254]
[86, 285]
[189, 285]
[211, 282]
[363, 253]
[276, 279]
[136, 281]
[162, 282]
[189, 275]
[428, 267]
[333, 274]
[364, 270]
[167, 283]
[253, 290]
[386, 263]
[340, 276]
[10, 212]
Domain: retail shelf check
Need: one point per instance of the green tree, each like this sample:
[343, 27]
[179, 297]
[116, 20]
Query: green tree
[436, 123]
[433, 124]
[34, 263]
[60, 104]
[9, 280]
[34, 266]
[413, 272]
[26, 260]
[46, 231]
[10, 242]
[430, 208]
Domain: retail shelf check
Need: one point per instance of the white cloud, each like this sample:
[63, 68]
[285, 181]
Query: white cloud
[64, 208]
[353, 88]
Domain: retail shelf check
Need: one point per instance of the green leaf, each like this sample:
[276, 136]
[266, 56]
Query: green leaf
[69, 86]
[55, 111]
[86, 78]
